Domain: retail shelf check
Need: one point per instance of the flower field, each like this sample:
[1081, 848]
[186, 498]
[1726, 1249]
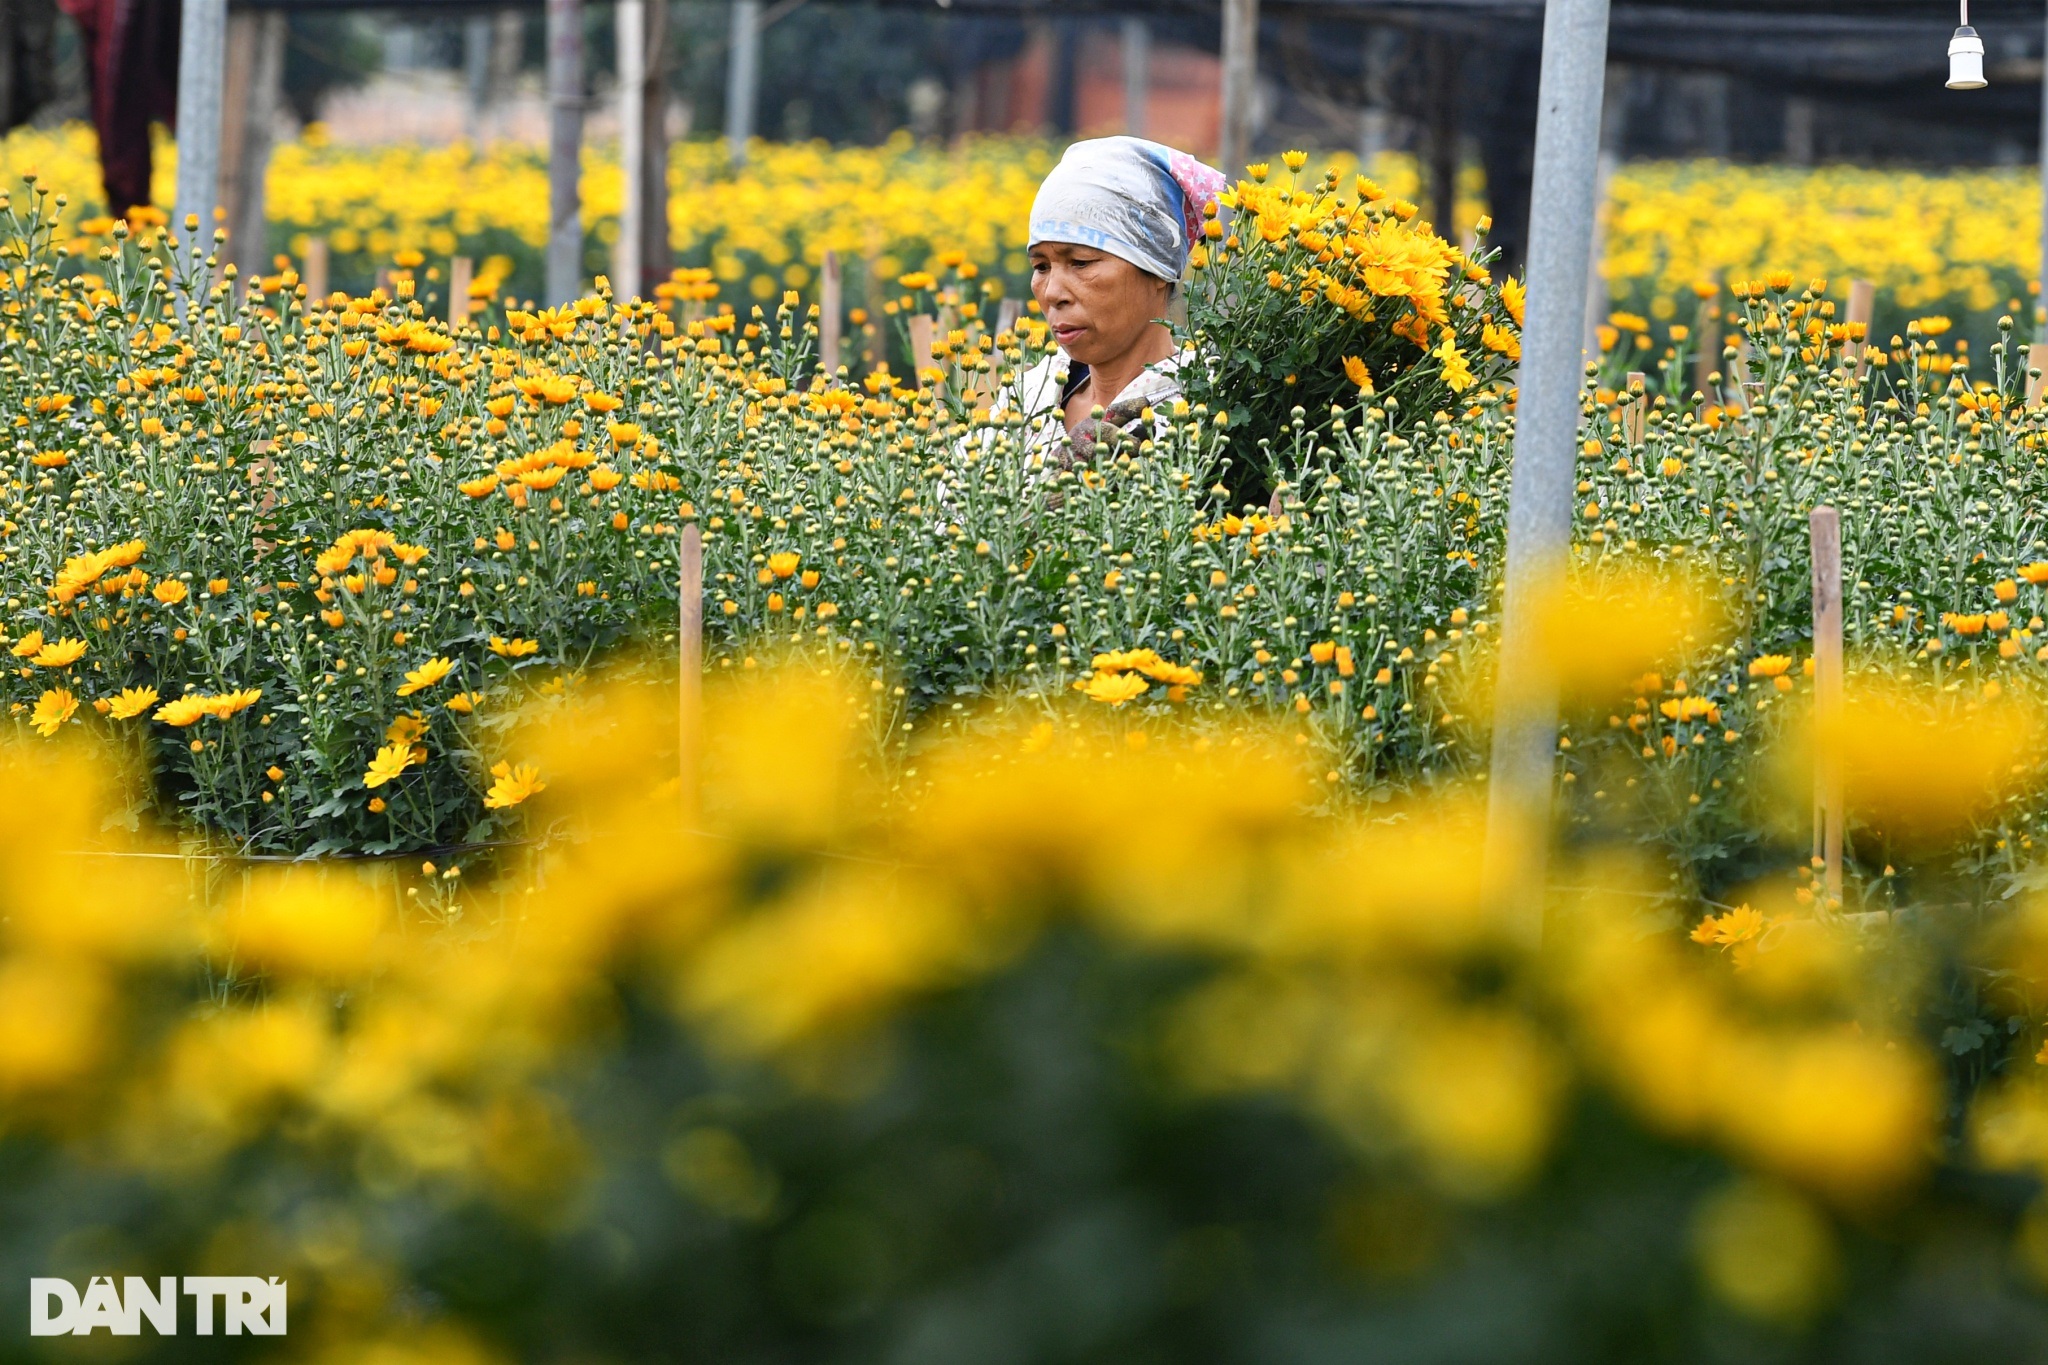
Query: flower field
[1964, 244]
[1069, 894]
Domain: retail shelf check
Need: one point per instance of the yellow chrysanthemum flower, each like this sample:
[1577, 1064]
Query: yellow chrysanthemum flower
[186, 710]
[132, 702]
[59, 654]
[425, 676]
[53, 708]
[1113, 689]
[390, 762]
[513, 785]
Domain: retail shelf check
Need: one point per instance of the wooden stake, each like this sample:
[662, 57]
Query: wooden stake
[1636, 407]
[1738, 375]
[1707, 358]
[315, 273]
[1862, 303]
[1007, 314]
[923, 330]
[1826, 529]
[458, 292]
[690, 666]
[831, 308]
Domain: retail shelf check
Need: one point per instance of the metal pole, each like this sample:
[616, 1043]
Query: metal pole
[2041, 330]
[690, 667]
[476, 73]
[632, 43]
[202, 55]
[565, 150]
[1137, 45]
[1240, 82]
[1612, 114]
[742, 77]
[1825, 529]
[1546, 441]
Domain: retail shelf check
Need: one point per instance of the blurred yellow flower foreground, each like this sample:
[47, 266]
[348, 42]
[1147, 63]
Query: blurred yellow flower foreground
[801, 928]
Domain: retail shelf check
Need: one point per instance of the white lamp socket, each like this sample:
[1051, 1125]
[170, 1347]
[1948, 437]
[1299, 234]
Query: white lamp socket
[1966, 60]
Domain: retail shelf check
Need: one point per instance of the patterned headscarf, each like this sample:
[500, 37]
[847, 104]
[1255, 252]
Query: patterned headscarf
[1134, 199]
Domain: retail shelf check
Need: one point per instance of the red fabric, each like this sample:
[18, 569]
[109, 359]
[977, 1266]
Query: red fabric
[131, 49]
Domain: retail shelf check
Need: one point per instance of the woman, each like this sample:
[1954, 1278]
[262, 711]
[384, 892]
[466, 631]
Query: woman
[1111, 229]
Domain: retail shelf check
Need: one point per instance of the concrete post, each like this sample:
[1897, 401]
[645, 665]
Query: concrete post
[1546, 447]
[565, 150]
[1240, 83]
[742, 77]
[202, 56]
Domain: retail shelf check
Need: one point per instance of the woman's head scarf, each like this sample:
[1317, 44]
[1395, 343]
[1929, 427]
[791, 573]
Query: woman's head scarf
[1131, 198]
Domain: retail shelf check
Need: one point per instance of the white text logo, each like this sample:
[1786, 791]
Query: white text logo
[247, 1304]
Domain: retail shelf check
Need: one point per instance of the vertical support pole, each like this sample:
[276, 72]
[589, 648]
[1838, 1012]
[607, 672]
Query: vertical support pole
[1862, 305]
[314, 273]
[831, 315]
[1826, 529]
[2041, 302]
[565, 150]
[202, 55]
[656, 255]
[923, 332]
[1443, 67]
[1376, 112]
[459, 275]
[476, 75]
[1707, 338]
[690, 666]
[1137, 46]
[1635, 407]
[1240, 82]
[1546, 451]
[628, 250]
[1597, 301]
[237, 82]
[1007, 315]
[252, 89]
[508, 39]
[742, 77]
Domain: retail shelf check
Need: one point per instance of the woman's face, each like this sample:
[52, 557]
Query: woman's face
[1099, 306]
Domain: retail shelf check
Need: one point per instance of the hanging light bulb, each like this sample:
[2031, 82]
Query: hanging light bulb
[1966, 56]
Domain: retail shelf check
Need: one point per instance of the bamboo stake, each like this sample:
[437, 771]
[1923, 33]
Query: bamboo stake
[458, 292]
[1007, 314]
[1826, 529]
[1862, 304]
[830, 309]
[1636, 407]
[315, 273]
[690, 667]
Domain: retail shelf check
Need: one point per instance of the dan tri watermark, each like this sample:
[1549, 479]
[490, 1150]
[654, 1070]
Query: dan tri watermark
[245, 1303]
